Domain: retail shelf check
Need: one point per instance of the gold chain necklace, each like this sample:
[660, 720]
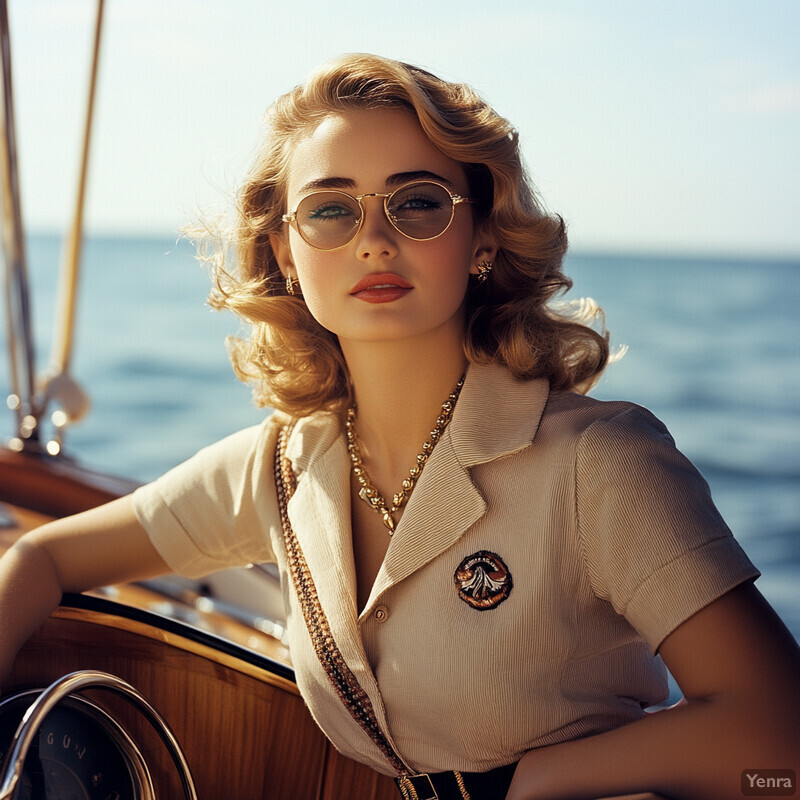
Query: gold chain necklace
[368, 493]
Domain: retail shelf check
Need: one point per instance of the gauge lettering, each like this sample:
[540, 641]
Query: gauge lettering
[80, 752]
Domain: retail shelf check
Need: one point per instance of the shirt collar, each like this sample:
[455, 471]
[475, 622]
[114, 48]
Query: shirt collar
[496, 414]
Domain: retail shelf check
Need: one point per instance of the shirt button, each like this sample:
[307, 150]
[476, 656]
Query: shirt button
[381, 613]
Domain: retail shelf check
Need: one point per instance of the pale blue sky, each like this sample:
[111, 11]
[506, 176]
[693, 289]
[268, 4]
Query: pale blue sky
[650, 126]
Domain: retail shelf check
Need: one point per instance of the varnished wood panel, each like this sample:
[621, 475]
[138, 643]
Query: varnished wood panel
[345, 778]
[241, 736]
[244, 736]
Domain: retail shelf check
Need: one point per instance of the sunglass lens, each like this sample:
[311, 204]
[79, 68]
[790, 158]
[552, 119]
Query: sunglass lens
[328, 219]
[421, 210]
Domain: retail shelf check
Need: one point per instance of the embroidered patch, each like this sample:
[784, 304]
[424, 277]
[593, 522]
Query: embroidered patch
[483, 580]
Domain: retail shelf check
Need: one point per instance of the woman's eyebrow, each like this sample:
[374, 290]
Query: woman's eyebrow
[399, 178]
[326, 183]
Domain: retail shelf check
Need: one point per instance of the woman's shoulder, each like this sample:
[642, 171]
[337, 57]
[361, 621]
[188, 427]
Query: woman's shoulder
[600, 422]
[253, 447]
[523, 412]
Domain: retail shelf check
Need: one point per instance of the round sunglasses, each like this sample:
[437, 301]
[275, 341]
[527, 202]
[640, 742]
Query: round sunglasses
[330, 219]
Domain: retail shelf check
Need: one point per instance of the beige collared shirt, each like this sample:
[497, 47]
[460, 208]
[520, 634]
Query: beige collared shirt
[551, 544]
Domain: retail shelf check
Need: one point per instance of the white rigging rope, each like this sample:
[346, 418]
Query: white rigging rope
[58, 384]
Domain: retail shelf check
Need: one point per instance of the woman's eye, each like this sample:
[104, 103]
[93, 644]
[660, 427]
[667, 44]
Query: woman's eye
[330, 211]
[418, 204]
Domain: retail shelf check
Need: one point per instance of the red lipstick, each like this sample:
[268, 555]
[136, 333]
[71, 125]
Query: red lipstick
[384, 287]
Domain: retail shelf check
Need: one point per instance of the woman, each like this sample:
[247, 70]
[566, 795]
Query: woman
[479, 562]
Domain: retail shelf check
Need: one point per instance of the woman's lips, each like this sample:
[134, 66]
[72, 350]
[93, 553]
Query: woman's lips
[381, 288]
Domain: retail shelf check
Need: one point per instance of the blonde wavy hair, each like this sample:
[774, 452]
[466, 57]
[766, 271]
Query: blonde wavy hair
[294, 364]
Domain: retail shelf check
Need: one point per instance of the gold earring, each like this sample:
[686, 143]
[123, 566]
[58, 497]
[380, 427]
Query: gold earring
[292, 286]
[484, 268]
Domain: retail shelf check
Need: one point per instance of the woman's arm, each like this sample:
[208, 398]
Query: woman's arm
[96, 548]
[739, 670]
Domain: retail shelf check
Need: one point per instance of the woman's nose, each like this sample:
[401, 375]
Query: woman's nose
[377, 236]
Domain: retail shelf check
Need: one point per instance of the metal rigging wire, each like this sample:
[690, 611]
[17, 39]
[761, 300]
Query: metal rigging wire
[22, 399]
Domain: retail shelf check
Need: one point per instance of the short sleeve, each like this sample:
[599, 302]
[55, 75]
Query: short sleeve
[655, 545]
[215, 510]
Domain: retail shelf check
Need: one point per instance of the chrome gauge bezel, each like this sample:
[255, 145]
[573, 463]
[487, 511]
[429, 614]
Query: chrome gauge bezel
[138, 775]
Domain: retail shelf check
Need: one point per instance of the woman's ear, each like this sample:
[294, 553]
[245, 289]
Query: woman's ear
[484, 251]
[283, 255]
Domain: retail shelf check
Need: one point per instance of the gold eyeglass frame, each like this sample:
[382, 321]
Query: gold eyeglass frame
[291, 218]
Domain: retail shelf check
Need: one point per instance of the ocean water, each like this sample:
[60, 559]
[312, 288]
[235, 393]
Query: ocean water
[713, 350]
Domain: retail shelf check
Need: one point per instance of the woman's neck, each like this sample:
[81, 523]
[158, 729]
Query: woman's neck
[399, 391]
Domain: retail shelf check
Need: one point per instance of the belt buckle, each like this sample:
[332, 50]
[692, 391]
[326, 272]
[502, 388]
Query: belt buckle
[416, 787]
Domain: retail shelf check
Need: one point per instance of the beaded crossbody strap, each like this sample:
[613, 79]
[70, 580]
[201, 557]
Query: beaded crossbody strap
[344, 682]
